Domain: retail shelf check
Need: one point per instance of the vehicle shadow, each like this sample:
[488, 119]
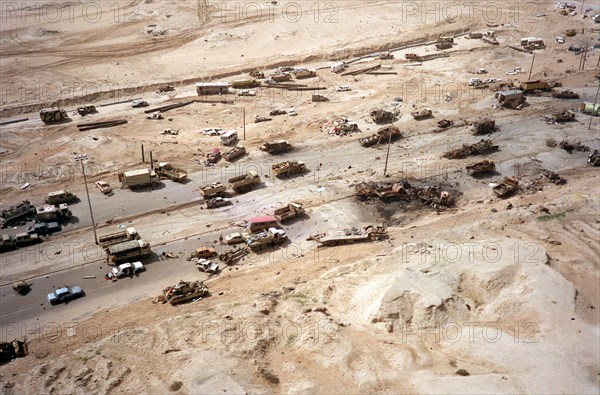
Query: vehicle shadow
[150, 188]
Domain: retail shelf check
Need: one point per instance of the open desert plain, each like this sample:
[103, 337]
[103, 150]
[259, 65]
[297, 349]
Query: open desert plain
[306, 197]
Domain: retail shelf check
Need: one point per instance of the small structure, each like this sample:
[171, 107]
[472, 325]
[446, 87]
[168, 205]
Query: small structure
[212, 88]
[511, 98]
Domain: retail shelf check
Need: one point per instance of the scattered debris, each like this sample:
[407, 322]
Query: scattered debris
[382, 116]
[560, 117]
[430, 195]
[382, 136]
[565, 94]
[483, 126]
[258, 119]
[570, 147]
[594, 158]
[165, 88]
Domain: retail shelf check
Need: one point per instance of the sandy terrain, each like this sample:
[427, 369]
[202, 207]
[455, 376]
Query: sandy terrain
[489, 296]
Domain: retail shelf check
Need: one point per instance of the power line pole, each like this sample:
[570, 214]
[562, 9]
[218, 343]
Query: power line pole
[387, 157]
[87, 192]
[531, 68]
[594, 106]
[244, 116]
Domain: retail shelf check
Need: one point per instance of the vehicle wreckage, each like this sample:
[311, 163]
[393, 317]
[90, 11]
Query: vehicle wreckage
[481, 148]
[431, 195]
[350, 235]
[183, 292]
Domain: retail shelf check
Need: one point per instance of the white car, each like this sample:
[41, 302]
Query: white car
[125, 269]
[207, 266]
[560, 40]
[234, 238]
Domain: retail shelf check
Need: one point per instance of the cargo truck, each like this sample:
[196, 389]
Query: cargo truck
[118, 237]
[276, 147]
[129, 250]
[234, 153]
[171, 172]
[245, 183]
[62, 196]
[290, 211]
[288, 168]
[213, 190]
[22, 210]
[138, 178]
[49, 213]
[270, 238]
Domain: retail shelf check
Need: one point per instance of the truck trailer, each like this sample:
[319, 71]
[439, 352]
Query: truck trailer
[128, 250]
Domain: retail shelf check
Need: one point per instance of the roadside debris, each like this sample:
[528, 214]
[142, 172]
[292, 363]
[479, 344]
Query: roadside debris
[430, 195]
[483, 147]
[594, 158]
[183, 292]
[165, 88]
[483, 126]
[171, 132]
[445, 123]
[565, 94]
[155, 115]
[258, 119]
[380, 116]
[560, 117]
[570, 147]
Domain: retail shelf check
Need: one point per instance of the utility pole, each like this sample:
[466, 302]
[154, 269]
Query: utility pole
[531, 68]
[387, 157]
[87, 192]
[143, 157]
[593, 106]
[244, 120]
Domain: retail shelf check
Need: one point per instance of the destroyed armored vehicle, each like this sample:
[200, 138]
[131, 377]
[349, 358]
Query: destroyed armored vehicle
[481, 168]
[276, 147]
[287, 168]
[507, 187]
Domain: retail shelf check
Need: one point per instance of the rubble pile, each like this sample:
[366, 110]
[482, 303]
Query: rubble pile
[430, 195]
[570, 147]
[594, 158]
[538, 183]
[483, 126]
[565, 94]
[183, 292]
[481, 148]
[560, 117]
[381, 117]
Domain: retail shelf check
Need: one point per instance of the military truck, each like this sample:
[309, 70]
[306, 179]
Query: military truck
[21, 211]
[7, 243]
[184, 292]
[234, 153]
[85, 110]
[49, 213]
[276, 147]
[167, 170]
[288, 168]
[213, 190]
[507, 187]
[53, 115]
[290, 211]
[25, 239]
[128, 250]
[263, 240]
[118, 237]
[421, 114]
[138, 178]
[244, 183]
[62, 196]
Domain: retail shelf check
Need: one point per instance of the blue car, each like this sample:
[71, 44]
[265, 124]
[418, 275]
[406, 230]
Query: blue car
[65, 294]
